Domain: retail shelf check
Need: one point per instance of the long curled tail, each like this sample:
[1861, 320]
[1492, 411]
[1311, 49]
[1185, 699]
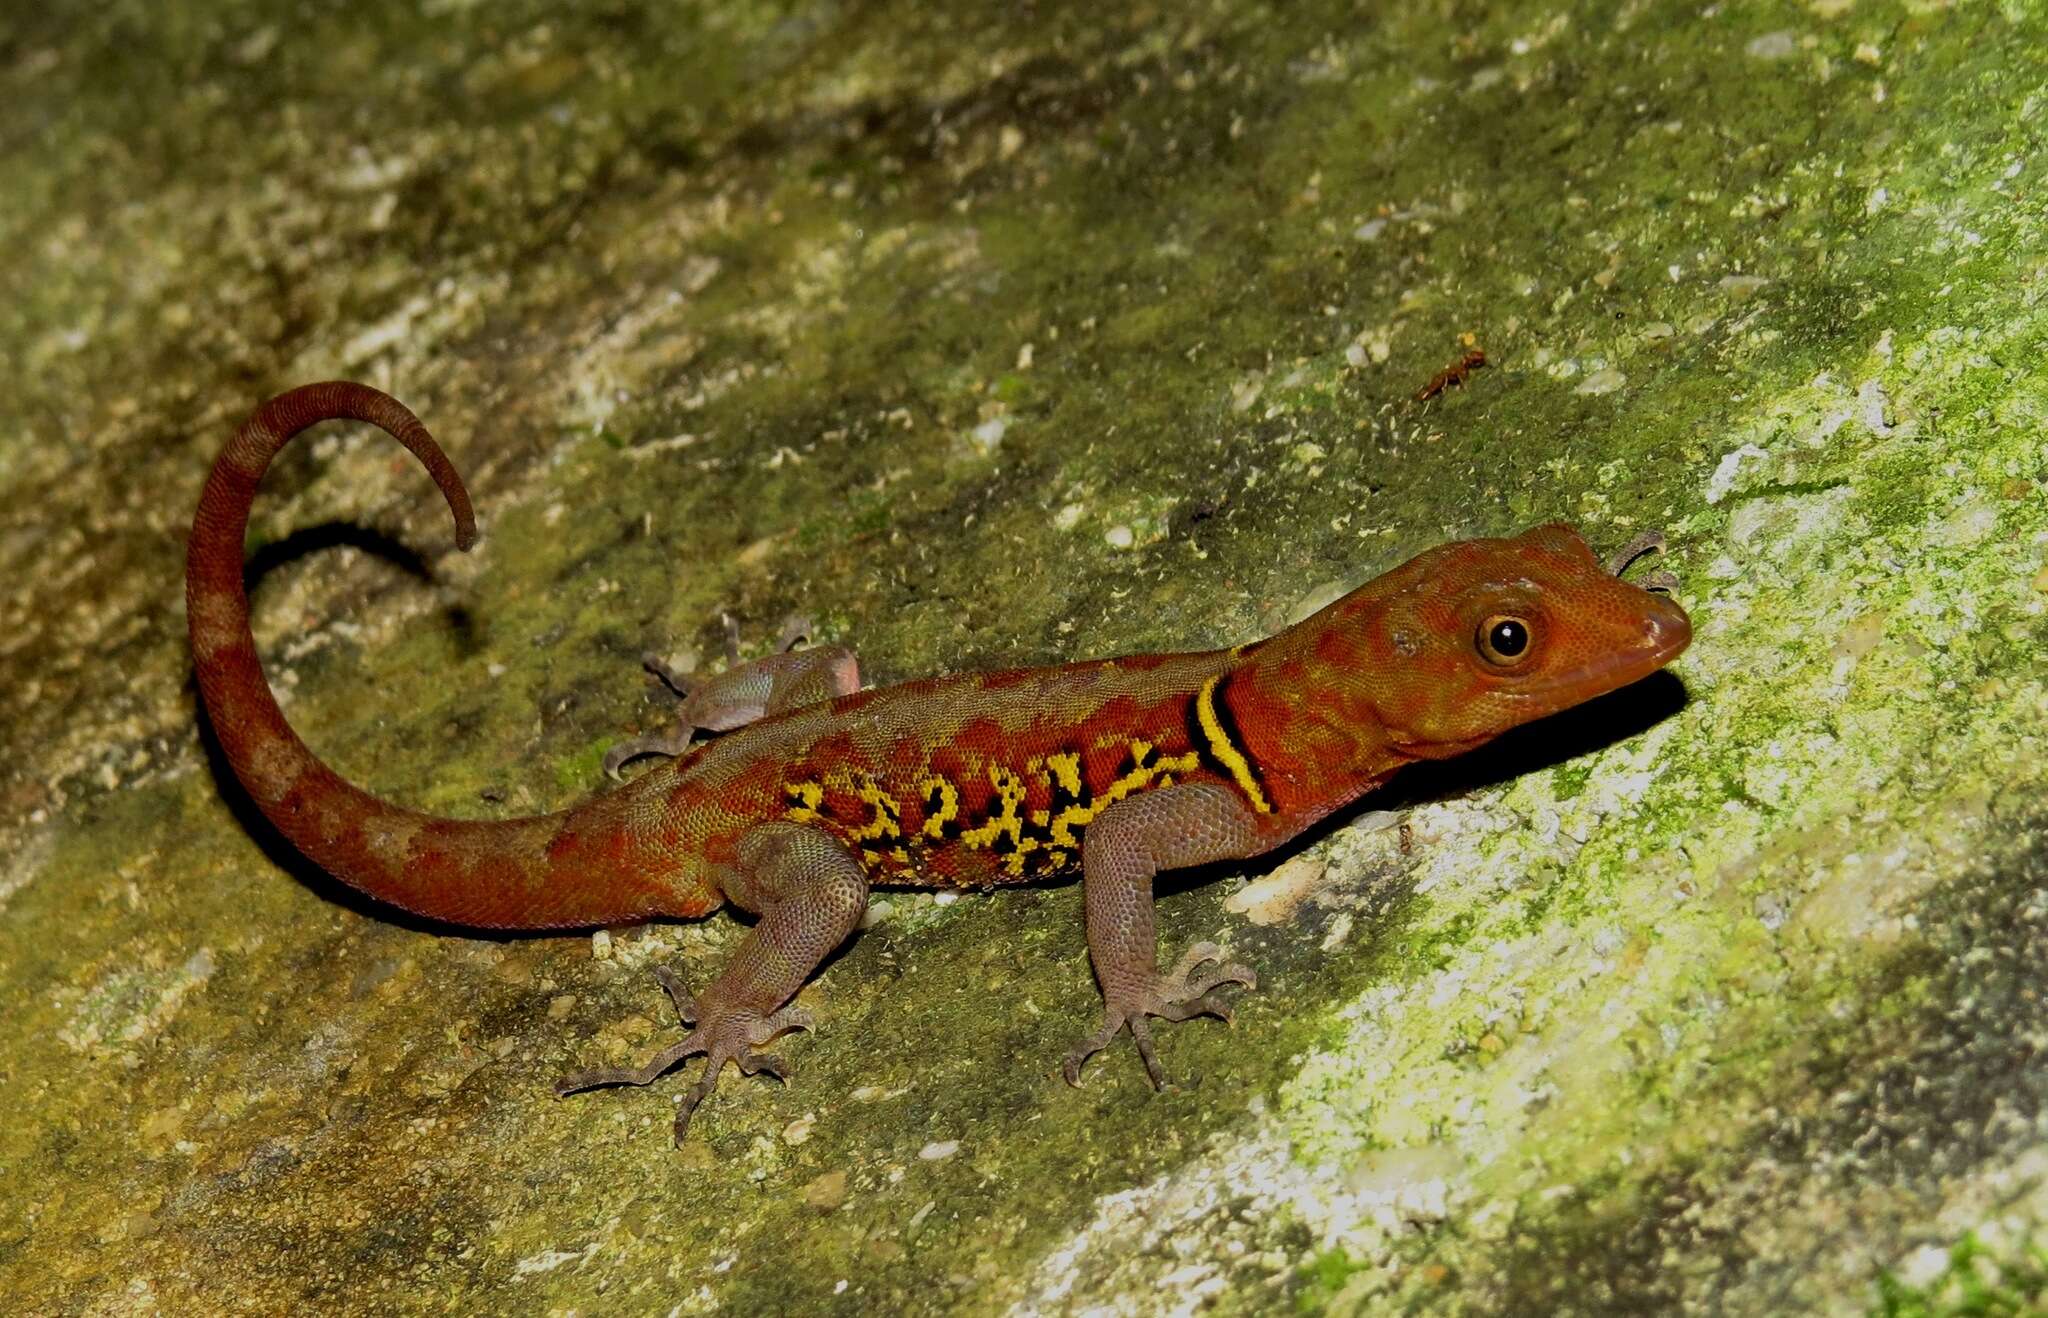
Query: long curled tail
[594, 864]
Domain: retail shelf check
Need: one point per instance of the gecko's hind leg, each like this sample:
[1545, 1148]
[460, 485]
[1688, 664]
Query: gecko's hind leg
[810, 893]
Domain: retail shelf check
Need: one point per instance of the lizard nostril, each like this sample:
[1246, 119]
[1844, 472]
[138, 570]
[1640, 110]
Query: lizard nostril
[1666, 628]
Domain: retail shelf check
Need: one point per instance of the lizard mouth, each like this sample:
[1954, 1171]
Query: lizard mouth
[1665, 632]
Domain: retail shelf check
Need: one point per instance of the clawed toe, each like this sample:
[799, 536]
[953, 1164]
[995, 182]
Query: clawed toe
[680, 683]
[722, 1035]
[1177, 996]
[764, 1064]
[1232, 974]
[1087, 1048]
[1649, 542]
[582, 1080]
[789, 1018]
[1206, 1005]
[686, 1106]
[605, 1077]
[618, 756]
[1199, 954]
[1661, 581]
[678, 993]
[1184, 983]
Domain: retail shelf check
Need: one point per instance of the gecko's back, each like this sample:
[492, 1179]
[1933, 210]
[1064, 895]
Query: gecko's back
[968, 780]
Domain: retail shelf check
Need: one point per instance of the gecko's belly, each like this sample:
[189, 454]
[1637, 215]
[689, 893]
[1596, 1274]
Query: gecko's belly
[950, 864]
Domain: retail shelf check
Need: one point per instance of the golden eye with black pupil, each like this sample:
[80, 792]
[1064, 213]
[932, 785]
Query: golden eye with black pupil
[1503, 640]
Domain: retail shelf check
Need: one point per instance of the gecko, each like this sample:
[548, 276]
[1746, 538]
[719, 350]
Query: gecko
[819, 789]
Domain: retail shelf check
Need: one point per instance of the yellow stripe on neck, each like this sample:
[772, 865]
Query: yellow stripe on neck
[1226, 751]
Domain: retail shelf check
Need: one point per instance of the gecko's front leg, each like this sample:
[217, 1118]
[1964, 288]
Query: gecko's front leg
[1131, 842]
[743, 693]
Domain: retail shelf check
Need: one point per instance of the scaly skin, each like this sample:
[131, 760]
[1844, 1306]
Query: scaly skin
[1115, 768]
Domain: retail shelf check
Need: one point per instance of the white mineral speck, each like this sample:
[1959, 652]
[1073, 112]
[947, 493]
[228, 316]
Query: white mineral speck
[990, 433]
[939, 1150]
[1772, 46]
[1872, 402]
[1120, 537]
[1923, 1267]
[1274, 898]
[1722, 483]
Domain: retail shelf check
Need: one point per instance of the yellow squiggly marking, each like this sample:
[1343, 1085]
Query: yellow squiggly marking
[807, 798]
[1028, 841]
[949, 805]
[887, 812]
[1003, 820]
[1137, 778]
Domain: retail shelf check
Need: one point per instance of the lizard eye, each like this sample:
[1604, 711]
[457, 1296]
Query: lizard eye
[1503, 640]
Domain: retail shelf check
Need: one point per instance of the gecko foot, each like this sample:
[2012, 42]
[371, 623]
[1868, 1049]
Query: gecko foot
[678, 741]
[617, 757]
[1649, 542]
[721, 1034]
[1178, 995]
[679, 683]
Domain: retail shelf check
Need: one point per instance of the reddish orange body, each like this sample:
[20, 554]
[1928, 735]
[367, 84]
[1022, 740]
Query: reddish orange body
[1116, 768]
[988, 778]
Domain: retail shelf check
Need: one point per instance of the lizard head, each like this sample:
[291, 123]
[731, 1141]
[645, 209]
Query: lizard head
[1473, 638]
